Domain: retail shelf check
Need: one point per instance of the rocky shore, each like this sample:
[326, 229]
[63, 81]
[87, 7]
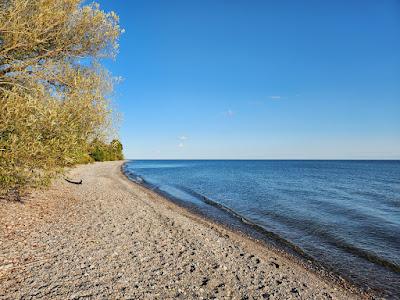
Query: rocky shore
[109, 238]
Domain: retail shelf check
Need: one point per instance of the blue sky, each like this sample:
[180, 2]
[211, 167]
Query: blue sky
[259, 79]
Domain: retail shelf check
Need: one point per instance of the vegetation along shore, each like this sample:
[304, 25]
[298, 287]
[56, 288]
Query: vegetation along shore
[54, 92]
[73, 226]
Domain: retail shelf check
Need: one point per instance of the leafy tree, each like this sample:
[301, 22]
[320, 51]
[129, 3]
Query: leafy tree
[53, 89]
[116, 150]
[101, 151]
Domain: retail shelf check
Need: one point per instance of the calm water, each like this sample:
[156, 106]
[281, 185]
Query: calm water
[345, 214]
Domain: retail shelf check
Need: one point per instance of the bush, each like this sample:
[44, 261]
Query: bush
[53, 103]
[101, 151]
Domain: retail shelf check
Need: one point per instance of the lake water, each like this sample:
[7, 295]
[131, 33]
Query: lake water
[344, 214]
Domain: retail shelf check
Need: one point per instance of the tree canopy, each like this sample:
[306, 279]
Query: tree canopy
[54, 92]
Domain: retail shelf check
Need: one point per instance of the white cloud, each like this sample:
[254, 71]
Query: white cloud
[182, 139]
[275, 97]
[229, 113]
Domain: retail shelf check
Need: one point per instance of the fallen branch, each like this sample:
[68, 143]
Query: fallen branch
[73, 181]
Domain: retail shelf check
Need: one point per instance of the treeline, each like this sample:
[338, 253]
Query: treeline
[101, 151]
[54, 92]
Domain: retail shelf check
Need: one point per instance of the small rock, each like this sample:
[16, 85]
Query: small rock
[205, 281]
[265, 296]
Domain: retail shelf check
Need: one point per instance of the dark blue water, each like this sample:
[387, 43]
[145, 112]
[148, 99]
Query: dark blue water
[344, 214]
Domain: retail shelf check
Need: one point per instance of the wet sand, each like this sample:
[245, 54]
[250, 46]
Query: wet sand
[111, 238]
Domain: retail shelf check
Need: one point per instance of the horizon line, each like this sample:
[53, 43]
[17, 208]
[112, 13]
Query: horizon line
[294, 159]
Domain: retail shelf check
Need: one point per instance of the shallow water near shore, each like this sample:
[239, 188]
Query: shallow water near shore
[344, 214]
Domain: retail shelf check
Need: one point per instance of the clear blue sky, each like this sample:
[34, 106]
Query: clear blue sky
[259, 79]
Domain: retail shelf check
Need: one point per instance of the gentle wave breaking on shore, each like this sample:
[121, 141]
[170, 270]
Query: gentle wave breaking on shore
[343, 214]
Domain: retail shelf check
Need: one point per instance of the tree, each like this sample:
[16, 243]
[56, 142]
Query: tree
[116, 150]
[53, 89]
[101, 151]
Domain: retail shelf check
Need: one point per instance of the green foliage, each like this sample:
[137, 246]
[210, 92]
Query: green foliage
[53, 107]
[101, 151]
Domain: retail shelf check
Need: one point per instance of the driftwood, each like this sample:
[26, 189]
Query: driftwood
[73, 181]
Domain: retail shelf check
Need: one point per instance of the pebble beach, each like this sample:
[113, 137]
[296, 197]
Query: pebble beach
[110, 238]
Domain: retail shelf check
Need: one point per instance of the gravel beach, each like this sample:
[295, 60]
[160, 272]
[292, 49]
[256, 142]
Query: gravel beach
[110, 238]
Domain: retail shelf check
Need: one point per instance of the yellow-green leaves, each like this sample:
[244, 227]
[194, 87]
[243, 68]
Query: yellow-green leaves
[53, 90]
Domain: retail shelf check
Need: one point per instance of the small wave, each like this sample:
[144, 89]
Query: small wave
[333, 240]
[372, 257]
[350, 228]
[282, 241]
[133, 176]
[138, 179]
[277, 238]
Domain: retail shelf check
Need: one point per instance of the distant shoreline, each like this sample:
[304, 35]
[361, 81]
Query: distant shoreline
[110, 237]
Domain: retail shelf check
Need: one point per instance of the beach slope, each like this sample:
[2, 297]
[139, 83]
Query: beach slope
[111, 238]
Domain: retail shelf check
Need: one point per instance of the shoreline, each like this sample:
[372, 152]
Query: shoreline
[262, 238]
[73, 242]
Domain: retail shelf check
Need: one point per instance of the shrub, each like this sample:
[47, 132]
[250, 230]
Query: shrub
[101, 151]
[53, 90]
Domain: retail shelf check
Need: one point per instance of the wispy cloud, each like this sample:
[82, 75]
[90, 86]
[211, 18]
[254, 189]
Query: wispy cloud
[229, 113]
[182, 139]
[268, 98]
